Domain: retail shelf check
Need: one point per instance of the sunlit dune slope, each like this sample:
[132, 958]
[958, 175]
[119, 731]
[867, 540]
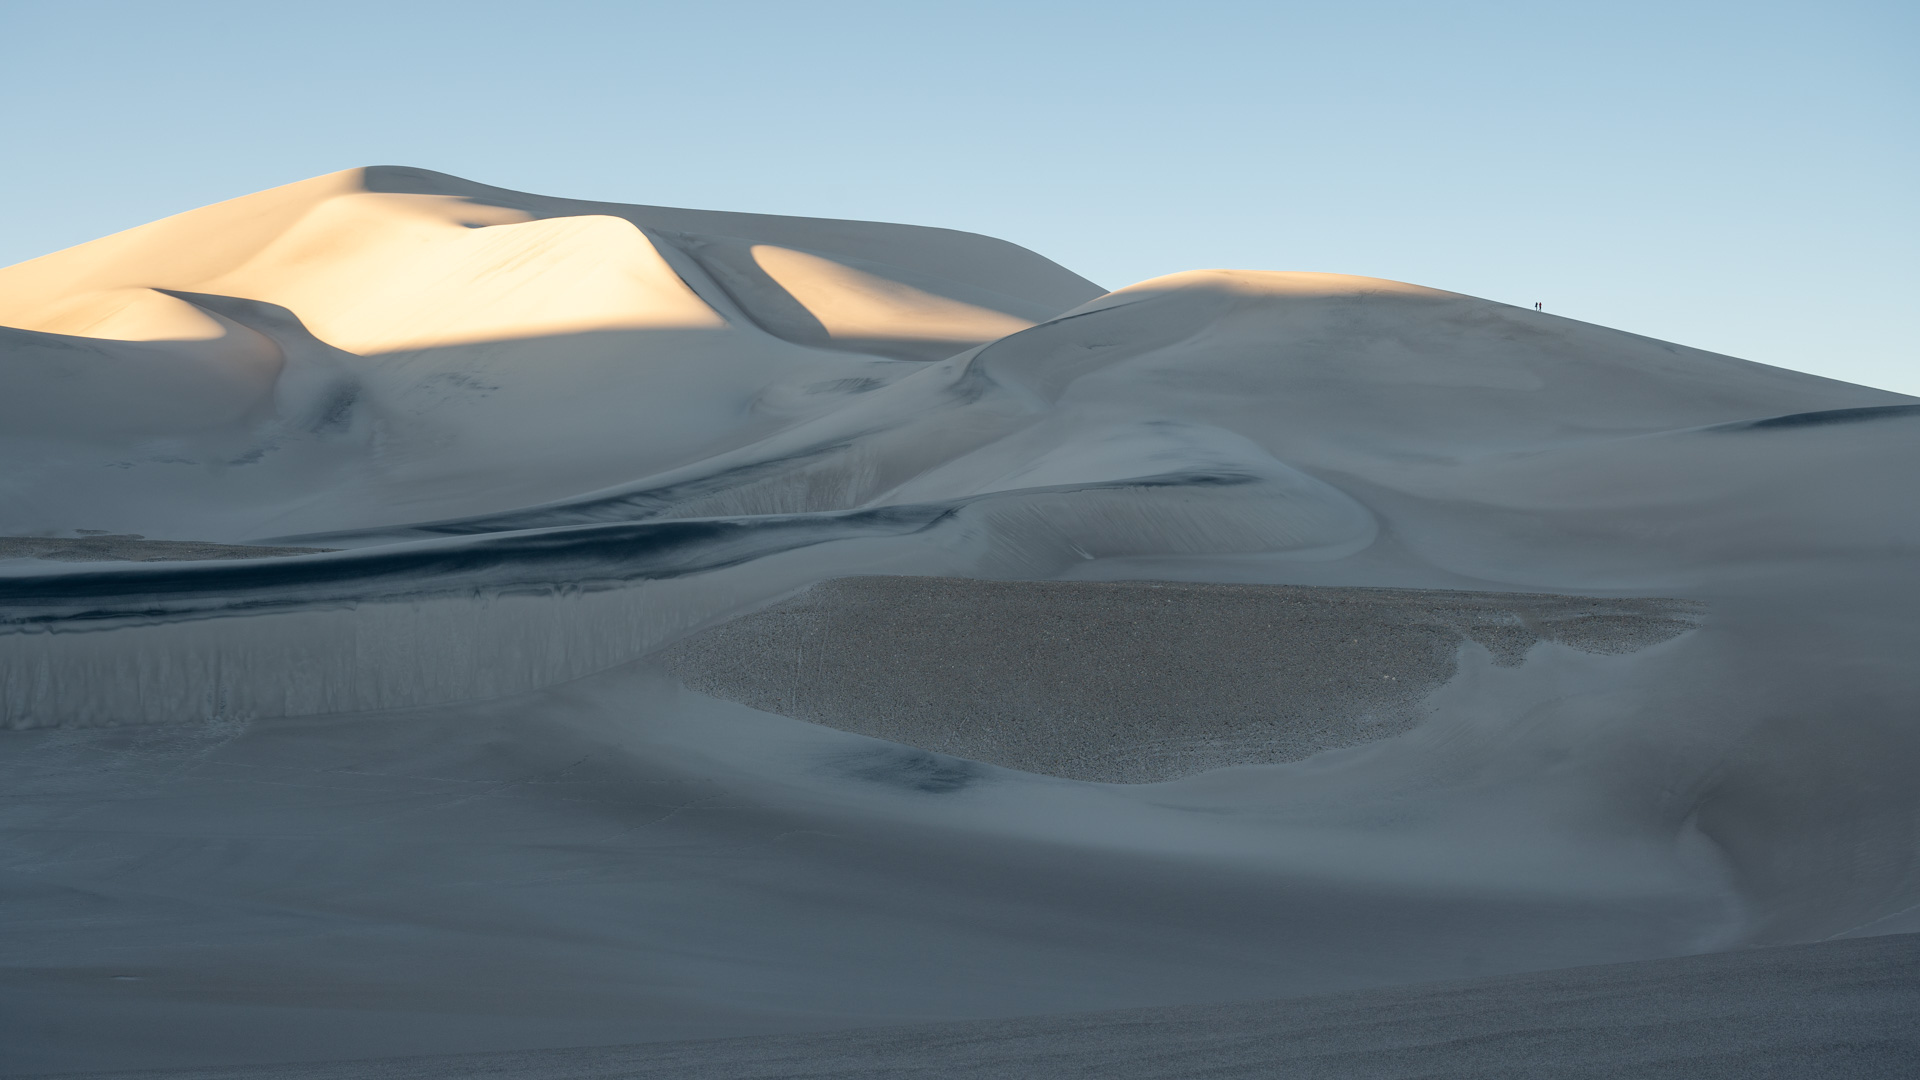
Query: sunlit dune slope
[388, 258]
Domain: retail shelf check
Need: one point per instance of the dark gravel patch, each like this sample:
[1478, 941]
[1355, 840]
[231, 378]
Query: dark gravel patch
[1132, 681]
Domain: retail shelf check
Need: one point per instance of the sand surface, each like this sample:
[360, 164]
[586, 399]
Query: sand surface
[734, 625]
[1839, 1009]
[1132, 682]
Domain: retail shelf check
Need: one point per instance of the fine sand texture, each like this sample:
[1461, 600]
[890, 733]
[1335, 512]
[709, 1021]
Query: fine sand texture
[1132, 682]
[1842, 1009]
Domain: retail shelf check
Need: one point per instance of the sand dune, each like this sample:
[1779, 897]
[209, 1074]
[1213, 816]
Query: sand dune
[485, 345]
[436, 619]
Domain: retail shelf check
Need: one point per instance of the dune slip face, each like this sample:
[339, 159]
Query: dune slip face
[439, 620]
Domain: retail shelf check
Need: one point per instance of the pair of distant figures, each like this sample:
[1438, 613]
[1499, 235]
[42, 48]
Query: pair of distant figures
[1537, 307]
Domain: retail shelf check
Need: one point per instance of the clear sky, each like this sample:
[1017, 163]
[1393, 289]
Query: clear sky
[1742, 177]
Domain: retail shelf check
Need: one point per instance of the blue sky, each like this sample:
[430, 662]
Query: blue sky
[1737, 177]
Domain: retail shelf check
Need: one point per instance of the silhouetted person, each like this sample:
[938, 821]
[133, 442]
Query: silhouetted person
[1537, 307]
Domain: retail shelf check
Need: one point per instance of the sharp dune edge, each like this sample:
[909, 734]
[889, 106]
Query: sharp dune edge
[441, 620]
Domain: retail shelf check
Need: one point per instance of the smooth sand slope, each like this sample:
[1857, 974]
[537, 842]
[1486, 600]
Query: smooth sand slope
[1596, 648]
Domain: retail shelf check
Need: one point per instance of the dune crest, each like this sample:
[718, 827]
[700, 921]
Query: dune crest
[1302, 284]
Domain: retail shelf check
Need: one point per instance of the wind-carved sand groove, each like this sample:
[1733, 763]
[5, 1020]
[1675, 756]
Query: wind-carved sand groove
[1132, 682]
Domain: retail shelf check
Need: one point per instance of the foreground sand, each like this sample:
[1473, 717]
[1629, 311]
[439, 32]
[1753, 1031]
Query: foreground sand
[1841, 1009]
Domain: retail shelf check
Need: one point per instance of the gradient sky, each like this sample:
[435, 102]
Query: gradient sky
[1741, 177]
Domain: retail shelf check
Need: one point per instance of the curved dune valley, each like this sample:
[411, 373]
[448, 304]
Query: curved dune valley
[438, 620]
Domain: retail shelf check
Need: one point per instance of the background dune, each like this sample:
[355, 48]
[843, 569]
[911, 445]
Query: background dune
[454, 348]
